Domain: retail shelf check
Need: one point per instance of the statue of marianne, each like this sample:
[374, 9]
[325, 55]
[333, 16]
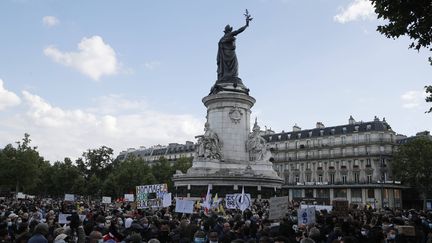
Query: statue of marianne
[226, 57]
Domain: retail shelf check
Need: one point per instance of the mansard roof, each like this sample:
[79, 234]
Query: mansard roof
[358, 127]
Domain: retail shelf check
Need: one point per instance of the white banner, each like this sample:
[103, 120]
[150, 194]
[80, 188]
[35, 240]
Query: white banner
[129, 197]
[69, 197]
[318, 207]
[20, 195]
[184, 206]
[306, 216]
[233, 201]
[106, 200]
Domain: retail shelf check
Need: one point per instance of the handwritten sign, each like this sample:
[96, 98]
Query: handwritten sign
[278, 207]
[184, 206]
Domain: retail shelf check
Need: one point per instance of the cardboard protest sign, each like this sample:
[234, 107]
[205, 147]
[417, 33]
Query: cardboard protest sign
[106, 200]
[129, 197]
[340, 208]
[20, 195]
[306, 216]
[233, 201]
[150, 196]
[184, 206]
[69, 197]
[278, 207]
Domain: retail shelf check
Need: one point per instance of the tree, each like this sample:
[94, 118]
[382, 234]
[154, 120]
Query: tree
[412, 18]
[163, 171]
[412, 164]
[21, 166]
[96, 162]
[183, 164]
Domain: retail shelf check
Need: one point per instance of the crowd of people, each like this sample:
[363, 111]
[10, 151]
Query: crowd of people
[37, 221]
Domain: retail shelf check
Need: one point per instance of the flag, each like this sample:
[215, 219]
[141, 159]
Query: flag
[207, 202]
[215, 202]
[244, 204]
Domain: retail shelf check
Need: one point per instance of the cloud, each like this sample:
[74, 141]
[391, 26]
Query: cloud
[50, 21]
[60, 132]
[359, 9]
[94, 58]
[413, 98]
[7, 98]
[152, 65]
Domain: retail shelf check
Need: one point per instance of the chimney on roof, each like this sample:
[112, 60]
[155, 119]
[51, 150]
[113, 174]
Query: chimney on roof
[320, 125]
[376, 119]
[296, 128]
[351, 121]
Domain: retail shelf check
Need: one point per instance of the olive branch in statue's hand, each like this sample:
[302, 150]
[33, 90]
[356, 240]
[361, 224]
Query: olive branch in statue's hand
[248, 17]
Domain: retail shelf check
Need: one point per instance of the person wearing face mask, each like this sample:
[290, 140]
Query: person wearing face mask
[391, 236]
[199, 237]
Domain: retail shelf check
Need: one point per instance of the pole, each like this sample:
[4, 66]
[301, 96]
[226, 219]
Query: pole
[382, 180]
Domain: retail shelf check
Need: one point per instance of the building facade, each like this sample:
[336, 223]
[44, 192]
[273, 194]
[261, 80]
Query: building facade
[171, 152]
[347, 162]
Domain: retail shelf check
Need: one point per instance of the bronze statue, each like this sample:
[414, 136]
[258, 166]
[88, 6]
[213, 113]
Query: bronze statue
[226, 58]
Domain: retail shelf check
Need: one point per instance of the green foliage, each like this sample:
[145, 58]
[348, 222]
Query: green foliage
[21, 166]
[412, 18]
[412, 164]
[95, 174]
[406, 17]
[429, 97]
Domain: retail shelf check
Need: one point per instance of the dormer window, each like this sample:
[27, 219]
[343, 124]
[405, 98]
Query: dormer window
[310, 134]
[344, 130]
[289, 136]
[279, 137]
[321, 132]
[299, 135]
[332, 131]
[356, 128]
[368, 127]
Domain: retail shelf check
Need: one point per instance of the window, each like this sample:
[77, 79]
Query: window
[343, 139]
[308, 178]
[356, 195]
[367, 138]
[297, 178]
[344, 130]
[343, 164]
[369, 179]
[340, 193]
[320, 178]
[297, 193]
[356, 164]
[370, 193]
[332, 178]
[332, 131]
[321, 132]
[308, 166]
[331, 165]
[356, 177]
[320, 166]
[309, 193]
[344, 179]
[368, 163]
[368, 127]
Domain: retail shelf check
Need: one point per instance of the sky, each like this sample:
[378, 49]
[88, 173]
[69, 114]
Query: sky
[78, 75]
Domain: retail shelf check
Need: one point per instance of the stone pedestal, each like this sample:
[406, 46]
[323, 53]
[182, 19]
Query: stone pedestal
[228, 119]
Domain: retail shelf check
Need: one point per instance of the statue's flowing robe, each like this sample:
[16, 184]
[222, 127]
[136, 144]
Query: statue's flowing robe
[226, 58]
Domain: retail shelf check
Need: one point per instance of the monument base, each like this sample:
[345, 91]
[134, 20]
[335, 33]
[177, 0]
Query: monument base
[258, 178]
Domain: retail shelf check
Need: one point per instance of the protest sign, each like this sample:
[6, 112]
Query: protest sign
[278, 207]
[129, 197]
[150, 196]
[306, 216]
[166, 202]
[20, 195]
[69, 197]
[233, 201]
[62, 218]
[319, 207]
[340, 208]
[184, 206]
[106, 200]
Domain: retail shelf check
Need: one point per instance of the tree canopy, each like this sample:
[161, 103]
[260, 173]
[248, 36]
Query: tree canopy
[412, 164]
[96, 173]
[411, 18]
